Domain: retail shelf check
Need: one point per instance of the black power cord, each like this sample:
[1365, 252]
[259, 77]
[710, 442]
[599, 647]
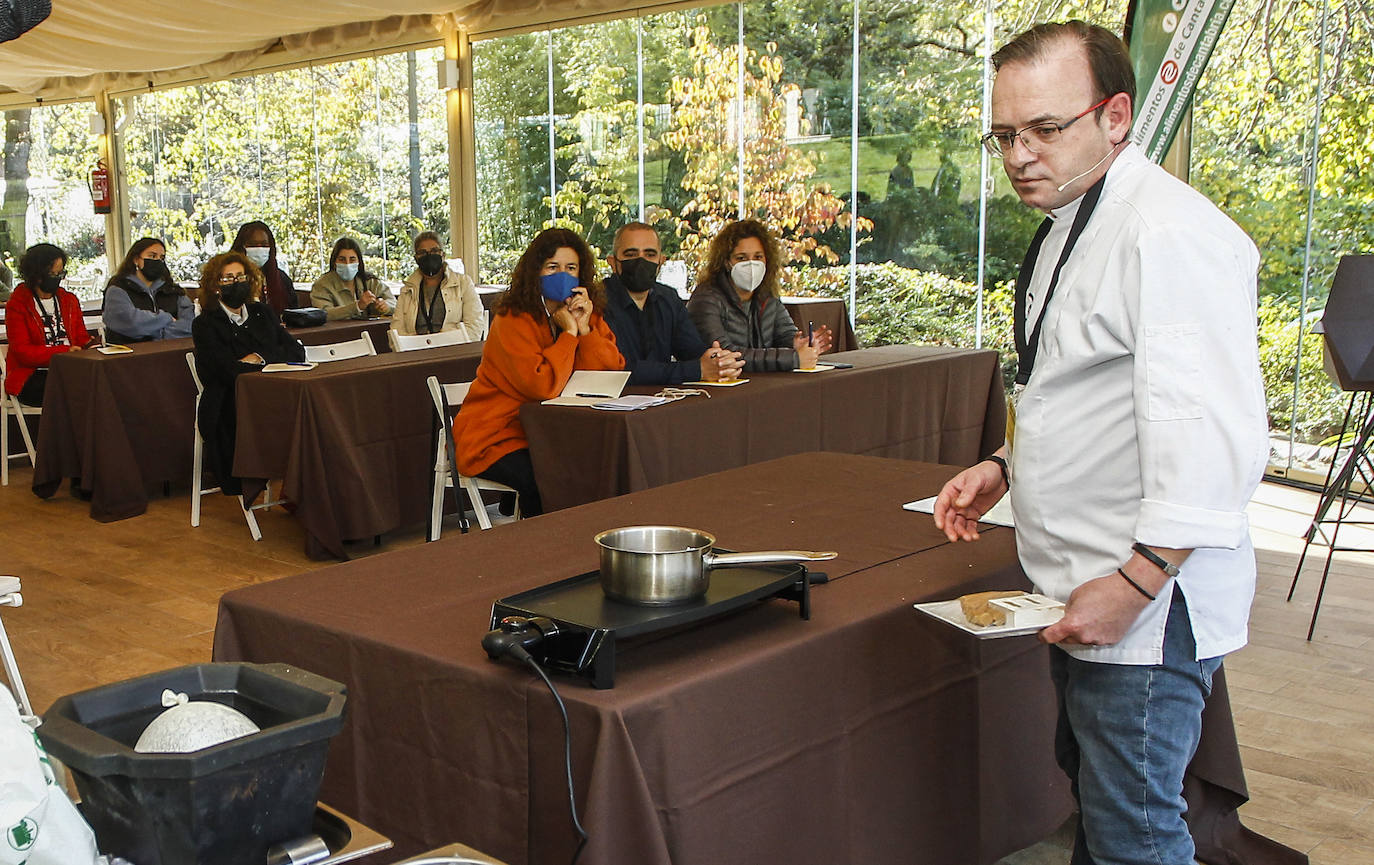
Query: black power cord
[519, 652]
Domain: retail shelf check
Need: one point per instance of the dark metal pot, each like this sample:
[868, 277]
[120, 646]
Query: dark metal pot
[661, 565]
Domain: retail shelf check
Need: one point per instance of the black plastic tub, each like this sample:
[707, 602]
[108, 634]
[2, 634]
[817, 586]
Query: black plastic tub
[223, 805]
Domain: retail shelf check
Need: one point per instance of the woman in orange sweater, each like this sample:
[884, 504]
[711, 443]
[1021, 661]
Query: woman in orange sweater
[547, 324]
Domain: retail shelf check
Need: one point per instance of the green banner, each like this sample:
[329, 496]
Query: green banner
[1170, 42]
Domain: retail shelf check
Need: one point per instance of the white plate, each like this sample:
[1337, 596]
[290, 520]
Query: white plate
[951, 612]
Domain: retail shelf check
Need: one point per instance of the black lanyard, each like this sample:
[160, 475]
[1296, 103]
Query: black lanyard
[433, 298]
[1026, 349]
[53, 331]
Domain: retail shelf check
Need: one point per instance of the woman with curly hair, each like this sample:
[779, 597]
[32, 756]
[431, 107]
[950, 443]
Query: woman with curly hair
[737, 303]
[547, 324]
[235, 333]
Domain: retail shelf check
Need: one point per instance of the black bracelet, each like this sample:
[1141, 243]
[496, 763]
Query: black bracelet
[1138, 587]
[1001, 464]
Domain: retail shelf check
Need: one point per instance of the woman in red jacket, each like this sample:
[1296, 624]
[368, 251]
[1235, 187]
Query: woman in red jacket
[547, 324]
[42, 319]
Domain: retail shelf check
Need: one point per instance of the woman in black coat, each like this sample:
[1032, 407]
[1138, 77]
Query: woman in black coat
[234, 333]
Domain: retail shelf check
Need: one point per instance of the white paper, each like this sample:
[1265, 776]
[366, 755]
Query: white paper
[632, 402]
[288, 367]
[114, 349]
[998, 515]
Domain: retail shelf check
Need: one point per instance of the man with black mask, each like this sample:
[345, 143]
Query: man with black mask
[652, 328]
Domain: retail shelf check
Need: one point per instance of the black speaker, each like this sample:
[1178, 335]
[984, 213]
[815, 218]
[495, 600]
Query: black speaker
[1348, 323]
[18, 17]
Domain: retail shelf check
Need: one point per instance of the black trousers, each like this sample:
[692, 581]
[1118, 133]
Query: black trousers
[31, 394]
[516, 471]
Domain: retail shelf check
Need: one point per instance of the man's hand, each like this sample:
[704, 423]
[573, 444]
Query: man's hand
[965, 498]
[720, 364]
[1099, 613]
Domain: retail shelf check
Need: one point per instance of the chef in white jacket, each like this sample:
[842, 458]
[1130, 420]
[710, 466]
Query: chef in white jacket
[1139, 434]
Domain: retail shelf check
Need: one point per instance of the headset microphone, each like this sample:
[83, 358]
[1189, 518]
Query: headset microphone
[1094, 167]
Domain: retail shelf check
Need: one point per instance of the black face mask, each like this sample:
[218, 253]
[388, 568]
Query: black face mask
[51, 283]
[638, 274]
[235, 294]
[153, 270]
[430, 264]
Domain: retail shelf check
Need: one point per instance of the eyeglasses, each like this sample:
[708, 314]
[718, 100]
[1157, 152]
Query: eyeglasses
[232, 280]
[1035, 137]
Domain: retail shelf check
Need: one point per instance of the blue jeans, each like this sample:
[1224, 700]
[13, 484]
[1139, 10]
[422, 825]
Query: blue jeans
[1125, 737]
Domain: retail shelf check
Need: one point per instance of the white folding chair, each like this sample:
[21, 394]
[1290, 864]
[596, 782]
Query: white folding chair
[360, 347]
[198, 468]
[448, 399]
[411, 342]
[10, 597]
[10, 405]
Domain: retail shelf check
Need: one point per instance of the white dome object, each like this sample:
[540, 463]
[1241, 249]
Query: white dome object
[193, 726]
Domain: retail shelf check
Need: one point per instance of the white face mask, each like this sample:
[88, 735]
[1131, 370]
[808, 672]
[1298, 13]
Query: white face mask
[257, 254]
[747, 275]
[346, 271]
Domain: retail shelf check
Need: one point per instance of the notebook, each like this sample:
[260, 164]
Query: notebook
[591, 386]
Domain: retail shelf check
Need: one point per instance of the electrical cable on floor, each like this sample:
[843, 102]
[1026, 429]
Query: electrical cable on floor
[525, 656]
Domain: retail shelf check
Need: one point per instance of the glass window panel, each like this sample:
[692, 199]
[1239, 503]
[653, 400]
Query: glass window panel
[49, 152]
[1252, 155]
[510, 96]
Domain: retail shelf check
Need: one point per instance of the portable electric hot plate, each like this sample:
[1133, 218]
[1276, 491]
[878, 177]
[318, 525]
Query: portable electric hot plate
[572, 627]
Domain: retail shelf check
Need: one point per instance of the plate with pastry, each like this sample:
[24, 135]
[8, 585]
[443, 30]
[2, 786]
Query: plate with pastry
[997, 614]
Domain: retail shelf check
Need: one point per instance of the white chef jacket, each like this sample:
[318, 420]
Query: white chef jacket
[1144, 418]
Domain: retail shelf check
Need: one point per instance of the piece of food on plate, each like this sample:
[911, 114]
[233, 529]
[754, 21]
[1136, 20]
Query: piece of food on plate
[979, 613]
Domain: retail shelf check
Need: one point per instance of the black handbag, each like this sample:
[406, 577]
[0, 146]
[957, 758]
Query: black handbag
[305, 316]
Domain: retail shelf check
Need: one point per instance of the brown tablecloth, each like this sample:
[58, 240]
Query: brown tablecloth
[869, 733]
[930, 403]
[123, 423]
[826, 311]
[352, 439]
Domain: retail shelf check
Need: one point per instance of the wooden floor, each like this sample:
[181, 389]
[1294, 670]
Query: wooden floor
[104, 602]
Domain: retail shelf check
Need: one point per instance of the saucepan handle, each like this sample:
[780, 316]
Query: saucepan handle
[712, 559]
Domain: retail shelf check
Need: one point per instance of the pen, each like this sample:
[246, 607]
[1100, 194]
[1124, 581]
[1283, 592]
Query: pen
[597, 395]
[810, 332]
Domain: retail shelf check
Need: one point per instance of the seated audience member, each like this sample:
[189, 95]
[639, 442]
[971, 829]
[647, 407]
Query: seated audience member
[547, 324]
[736, 302]
[234, 334]
[142, 301]
[347, 290]
[436, 298]
[42, 319]
[650, 321]
[256, 241]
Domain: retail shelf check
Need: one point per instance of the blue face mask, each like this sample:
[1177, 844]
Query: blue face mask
[346, 271]
[559, 286]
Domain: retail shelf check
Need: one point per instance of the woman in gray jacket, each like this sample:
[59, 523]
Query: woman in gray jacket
[347, 290]
[737, 302]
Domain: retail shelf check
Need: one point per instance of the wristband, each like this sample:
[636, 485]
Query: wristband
[1138, 586]
[1001, 464]
[1169, 568]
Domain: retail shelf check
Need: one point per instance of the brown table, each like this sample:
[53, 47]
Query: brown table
[352, 439]
[121, 424]
[827, 311]
[868, 733]
[913, 402]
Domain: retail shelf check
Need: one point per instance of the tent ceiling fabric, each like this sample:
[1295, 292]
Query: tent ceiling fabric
[89, 46]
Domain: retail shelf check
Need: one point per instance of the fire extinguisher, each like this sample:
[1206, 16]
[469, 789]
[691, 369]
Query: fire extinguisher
[100, 187]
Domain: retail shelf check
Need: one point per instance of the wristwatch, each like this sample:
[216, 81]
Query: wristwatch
[1169, 568]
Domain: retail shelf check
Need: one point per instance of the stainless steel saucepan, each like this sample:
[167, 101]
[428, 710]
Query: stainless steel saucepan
[661, 565]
